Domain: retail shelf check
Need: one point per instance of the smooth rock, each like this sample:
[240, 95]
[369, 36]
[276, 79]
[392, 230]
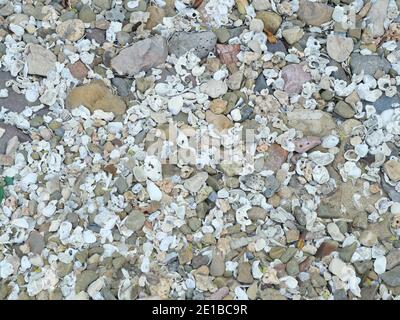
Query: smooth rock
[392, 277]
[135, 220]
[370, 64]
[142, 55]
[202, 43]
[94, 96]
[392, 169]
[71, 30]
[344, 110]
[84, 279]
[36, 242]
[214, 88]
[311, 122]
[244, 273]
[292, 35]
[217, 266]
[294, 77]
[40, 60]
[339, 48]
[272, 21]
[314, 13]
[376, 17]
[368, 238]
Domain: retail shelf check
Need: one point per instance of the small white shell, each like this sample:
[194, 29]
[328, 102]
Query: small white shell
[321, 158]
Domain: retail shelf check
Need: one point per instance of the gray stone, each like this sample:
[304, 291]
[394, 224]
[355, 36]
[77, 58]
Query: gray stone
[292, 268]
[121, 184]
[201, 42]
[123, 86]
[368, 293]
[135, 220]
[370, 64]
[392, 277]
[314, 13]
[36, 242]
[288, 254]
[199, 261]
[217, 266]
[84, 279]
[271, 186]
[261, 83]
[347, 252]
[385, 103]
[344, 110]
[393, 259]
[142, 55]
[86, 14]
[244, 273]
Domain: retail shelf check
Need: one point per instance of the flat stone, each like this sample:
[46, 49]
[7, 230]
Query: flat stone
[368, 238]
[94, 96]
[294, 77]
[392, 277]
[347, 252]
[84, 279]
[36, 242]
[135, 220]
[71, 30]
[392, 169]
[370, 64]
[339, 48]
[314, 13]
[40, 60]
[344, 110]
[78, 70]
[141, 56]
[393, 259]
[272, 21]
[244, 273]
[376, 17]
[217, 266]
[195, 183]
[292, 35]
[202, 43]
[311, 122]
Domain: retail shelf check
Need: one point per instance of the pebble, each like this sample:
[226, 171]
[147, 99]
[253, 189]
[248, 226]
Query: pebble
[294, 77]
[39, 60]
[135, 221]
[214, 88]
[84, 279]
[314, 13]
[368, 238]
[217, 266]
[202, 43]
[36, 242]
[244, 273]
[96, 96]
[370, 64]
[392, 169]
[392, 277]
[344, 110]
[271, 20]
[71, 30]
[292, 35]
[339, 48]
[142, 55]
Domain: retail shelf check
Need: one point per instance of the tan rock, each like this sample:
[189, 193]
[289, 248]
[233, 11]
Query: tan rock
[71, 30]
[218, 106]
[219, 121]
[94, 96]
[392, 169]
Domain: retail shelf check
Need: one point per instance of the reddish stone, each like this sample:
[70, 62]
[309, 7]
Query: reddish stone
[326, 248]
[294, 77]
[78, 70]
[276, 156]
[227, 53]
[307, 143]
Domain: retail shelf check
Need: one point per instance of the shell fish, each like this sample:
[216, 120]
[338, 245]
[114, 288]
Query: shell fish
[307, 143]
